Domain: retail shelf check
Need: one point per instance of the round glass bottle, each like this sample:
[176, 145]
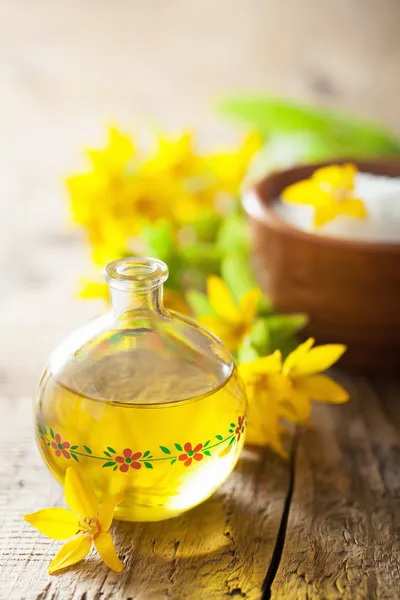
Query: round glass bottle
[143, 401]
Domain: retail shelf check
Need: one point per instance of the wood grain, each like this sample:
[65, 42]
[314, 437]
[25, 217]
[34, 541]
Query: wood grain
[221, 549]
[343, 533]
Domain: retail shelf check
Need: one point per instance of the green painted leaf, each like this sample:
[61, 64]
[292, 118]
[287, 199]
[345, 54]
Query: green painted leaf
[107, 454]
[146, 453]
[109, 464]
[48, 443]
[206, 443]
[88, 450]
[230, 430]
[233, 424]
[207, 452]
[111, 450]
[219, 437]
[74, 447]
[173, 461]
[74, 456]
[148, 465]
[115, 468]
[52, 433]
[165, 450]
[231, 440]
[44, 429]
[178, 447]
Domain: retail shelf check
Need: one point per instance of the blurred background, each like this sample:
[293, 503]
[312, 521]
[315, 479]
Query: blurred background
[68, 68]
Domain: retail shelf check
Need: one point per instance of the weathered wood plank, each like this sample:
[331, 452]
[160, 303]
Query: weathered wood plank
[343, 533]
[221, 549]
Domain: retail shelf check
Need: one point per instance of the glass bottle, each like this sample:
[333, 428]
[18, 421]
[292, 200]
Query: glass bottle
[143, 401]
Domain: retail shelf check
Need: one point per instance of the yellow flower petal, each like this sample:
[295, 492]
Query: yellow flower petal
[261, 366]
[353, 207]
[223, 330]
[78, 495]
[304, 192]
[221, 300]
[106, 511]
[337, 176]
[317, 359]
[90, 289]
[105, 547]
[248, 305]
[322, 389]
[56, 523]
[325, 214]
[296, 407]
[296, 355]
[71, 553]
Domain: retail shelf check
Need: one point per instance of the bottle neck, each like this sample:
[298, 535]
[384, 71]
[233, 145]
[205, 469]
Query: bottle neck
[137, 300]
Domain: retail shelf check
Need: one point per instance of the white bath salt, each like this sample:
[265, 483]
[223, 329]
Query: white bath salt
[381, 198]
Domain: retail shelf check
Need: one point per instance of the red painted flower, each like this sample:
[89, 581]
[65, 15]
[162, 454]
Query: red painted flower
[240, 427]
[191, 453]
[129, 460]
[60, 447]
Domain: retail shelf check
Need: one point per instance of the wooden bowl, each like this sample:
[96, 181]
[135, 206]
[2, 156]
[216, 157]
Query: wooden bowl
[350, 289]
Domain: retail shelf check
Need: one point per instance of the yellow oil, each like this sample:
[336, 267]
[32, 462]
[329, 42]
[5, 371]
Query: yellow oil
[165, 438]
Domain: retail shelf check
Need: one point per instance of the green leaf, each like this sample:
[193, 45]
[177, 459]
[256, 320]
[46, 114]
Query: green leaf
[276, 117]
[233, 235]
[199, 304]
[115, 468]
[109, 464]
[219, 437]
[147, 453]
[74, 457]
[88, 450]
[44, 429]
[159, 239]
[107, 454]
[206, 443]
[207, 452]
[247, 353]
[165, 450]
[148, 465]
[74, 447]
[173, 461]
[232, 424]
[231, 441]
[111, 450]
[259, 336]
[282, 327]
[237, 274]
[48, 443]
[52, 433]
[178, 447]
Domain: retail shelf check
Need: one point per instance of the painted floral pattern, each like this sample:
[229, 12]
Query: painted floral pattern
[128, 460]
[191, 454]
[60, 447]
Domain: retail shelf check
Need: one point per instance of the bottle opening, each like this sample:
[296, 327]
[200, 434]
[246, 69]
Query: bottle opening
[140, 271]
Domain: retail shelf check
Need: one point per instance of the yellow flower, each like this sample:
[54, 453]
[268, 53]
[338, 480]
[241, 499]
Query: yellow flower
[122, 189]
[88, 523]
[330, 191]
[279, 391]
[230, 323]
